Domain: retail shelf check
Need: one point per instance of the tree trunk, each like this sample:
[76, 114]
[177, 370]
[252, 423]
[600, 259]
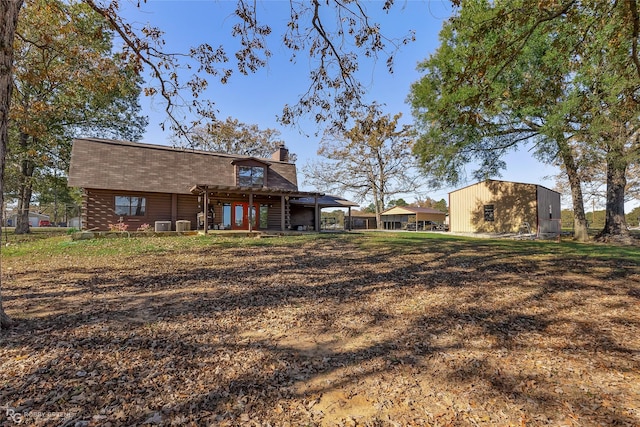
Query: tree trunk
[379, 209]
[24, 203]
[9, 11]
[26, 189]
[615, 225]
[580, 229]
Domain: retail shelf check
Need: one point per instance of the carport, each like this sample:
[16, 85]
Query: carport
[411, 218]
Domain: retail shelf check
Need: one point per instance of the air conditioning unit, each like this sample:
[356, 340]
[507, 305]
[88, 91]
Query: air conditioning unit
[183, 225]
[163, 226]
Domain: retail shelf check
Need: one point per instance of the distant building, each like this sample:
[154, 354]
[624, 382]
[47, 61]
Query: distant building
[34, 219]
[410, 217]
[493, 206]
[361, 221]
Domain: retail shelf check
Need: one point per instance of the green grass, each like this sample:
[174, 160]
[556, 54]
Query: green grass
[410, 242]
[58, 245]
[379, 243]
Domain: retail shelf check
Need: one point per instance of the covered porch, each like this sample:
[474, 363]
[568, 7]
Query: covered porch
[225, 208]
[247, 208]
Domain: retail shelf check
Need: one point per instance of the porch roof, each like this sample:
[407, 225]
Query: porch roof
[325, 201]
[199, 189]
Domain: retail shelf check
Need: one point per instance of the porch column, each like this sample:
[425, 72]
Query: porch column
[205, 209]
[349, 229]
[282, 213]
[317, 209]
[250, 212]
[174, 209]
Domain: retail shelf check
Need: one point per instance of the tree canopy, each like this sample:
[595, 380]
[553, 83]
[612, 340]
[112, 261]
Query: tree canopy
[372, 160]
[560, 77]
[66, 82]
[335, 37]
[234, 137]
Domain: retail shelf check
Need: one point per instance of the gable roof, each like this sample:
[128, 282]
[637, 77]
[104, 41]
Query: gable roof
[408, 210]
[131, 166]
[499, 180]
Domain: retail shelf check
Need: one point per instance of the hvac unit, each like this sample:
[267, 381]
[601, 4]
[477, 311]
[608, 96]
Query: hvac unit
[183, 225]
[163, 226]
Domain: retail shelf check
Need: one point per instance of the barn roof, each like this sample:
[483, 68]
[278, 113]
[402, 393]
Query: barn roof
[498, 180]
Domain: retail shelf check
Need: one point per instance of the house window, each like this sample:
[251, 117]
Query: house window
[488, 213]
[130, 206]
[226, 216]
[250, 176]
[264, 216]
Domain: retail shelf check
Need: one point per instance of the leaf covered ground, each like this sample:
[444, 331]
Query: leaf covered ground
[329, 330]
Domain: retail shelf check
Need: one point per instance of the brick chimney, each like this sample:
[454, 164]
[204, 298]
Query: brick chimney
[281, 154]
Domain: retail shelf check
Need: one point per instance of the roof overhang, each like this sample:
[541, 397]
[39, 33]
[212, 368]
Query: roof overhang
[325, 201]
[200, 189]
[242, 160]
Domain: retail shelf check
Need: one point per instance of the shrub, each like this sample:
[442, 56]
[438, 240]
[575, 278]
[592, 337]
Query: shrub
[144, 227]
[120, 226]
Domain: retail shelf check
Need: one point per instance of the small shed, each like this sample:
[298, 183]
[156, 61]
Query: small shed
[361, 221]
[411, 218]
[493, 206]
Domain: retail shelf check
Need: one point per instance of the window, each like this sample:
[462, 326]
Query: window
[130, 206]
[488, 213]
[238, 215]
[226, 216]
[250, 176]
[264, 216]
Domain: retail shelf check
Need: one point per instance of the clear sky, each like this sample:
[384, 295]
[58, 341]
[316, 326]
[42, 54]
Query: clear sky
[258, 98]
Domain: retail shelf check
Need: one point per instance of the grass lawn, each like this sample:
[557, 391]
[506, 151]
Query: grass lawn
[370, 329]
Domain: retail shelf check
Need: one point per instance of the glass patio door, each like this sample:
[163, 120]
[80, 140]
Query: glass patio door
[240, 216]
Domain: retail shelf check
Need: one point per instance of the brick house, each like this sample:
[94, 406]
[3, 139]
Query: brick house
[137, 184]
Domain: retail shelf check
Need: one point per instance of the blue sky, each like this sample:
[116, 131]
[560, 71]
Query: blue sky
[258, 98]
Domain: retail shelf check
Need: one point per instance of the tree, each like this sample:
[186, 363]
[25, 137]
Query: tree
[9, 10]
[371, 160]
[441, 205]
[56, 41]
[397, 202]
[370, 209]
[546, 77]
[233, 137]
[335, 48]
[56, 198]
[335, 35]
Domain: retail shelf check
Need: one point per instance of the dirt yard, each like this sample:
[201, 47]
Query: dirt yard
[329, 332]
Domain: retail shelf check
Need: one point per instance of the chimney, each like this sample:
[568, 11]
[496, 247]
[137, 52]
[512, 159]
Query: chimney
[281, 154]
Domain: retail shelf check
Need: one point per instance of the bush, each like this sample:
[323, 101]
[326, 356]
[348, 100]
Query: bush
[120, 226]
